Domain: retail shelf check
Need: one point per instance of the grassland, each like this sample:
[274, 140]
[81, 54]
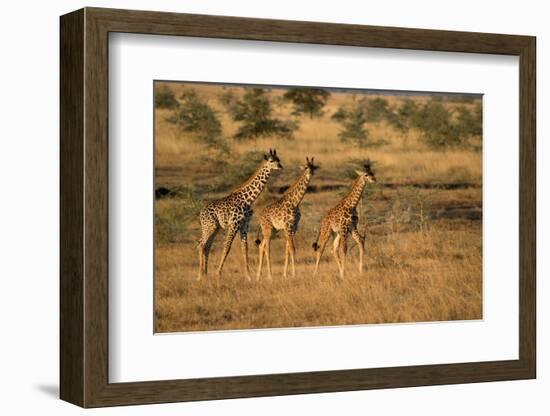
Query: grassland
[422, 222]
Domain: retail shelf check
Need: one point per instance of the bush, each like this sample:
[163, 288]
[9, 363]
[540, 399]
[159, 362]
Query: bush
[460, 98]
[353, 122]
[196, 116]
[340, 115]
[307, 101]
[255, 114]
[435, 122]
[227, 99]
[411, 206]
[468, 123]
[403, 118]
[377, 109]
[164, 98]
[174, 216]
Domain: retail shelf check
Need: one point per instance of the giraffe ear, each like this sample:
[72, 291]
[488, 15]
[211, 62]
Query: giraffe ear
[265, 157]
[359, 172]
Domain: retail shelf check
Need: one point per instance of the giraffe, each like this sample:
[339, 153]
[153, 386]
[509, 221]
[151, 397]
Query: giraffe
[284, 214]
[232, 213]
[342, 221]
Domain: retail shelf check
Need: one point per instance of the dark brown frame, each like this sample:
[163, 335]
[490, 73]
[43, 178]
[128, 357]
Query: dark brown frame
[84, 207]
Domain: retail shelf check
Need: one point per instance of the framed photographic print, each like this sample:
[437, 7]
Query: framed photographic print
[255, 207]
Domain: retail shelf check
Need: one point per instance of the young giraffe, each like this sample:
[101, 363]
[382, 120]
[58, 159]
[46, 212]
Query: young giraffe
[342, 221]
[233, 214]
[284, 215]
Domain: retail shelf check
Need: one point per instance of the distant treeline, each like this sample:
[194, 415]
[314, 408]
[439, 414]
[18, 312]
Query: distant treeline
[440, 125]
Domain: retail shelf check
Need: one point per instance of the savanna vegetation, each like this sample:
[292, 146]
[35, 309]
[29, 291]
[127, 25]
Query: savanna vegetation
[422, 218]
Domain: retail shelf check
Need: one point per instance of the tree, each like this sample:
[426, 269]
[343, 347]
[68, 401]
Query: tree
[402, 118]
[340, 115]
[435, 122]
[377, 109]
[353, 122]
[254, 112]
[468, 123]
[227, 99]
[405, 114]
[196, 116]
[164, 98]
[307, 101]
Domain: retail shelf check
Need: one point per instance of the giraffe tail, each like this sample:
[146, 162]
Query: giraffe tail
[324, 231]
[315, 245]
[258, 240]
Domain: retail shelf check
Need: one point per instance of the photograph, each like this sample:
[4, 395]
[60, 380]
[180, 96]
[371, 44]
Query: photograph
[284, 206]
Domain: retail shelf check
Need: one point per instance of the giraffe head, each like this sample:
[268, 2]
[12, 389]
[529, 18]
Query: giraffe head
[310, 166]
[366, 172]
[272, 161]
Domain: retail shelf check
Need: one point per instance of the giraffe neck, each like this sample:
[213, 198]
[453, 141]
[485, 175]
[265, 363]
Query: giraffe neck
[352, 198]
[296, 192]
[252, 188]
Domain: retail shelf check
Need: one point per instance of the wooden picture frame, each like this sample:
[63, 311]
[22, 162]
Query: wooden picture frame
[84, 207]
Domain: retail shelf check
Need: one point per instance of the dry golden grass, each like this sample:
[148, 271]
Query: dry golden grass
[417, 269]
[411, 277]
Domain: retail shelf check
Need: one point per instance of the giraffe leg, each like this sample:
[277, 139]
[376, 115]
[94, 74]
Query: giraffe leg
[201, 262]
[343, 253]
[244, 246]
[335, 251]
[361, 244]
[260, 260]
[229, 236]
[209, 230]
[287, 255]
[266, 234]
[267, 249]
[207, 248]
[291, 251]
[320, 245]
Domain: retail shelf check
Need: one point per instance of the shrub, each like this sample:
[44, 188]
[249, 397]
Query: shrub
[227, 99]
[435, 122]
[254, 112]
[174, 216]
[164, 98]
[377, 109]
[411, 206]
[353, 122]
[340, 115]
[196, 116]
[468, 123]
[404, 115]
[460, 98]
[307, 101]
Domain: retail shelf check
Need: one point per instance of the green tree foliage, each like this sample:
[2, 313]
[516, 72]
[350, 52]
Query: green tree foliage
[377, 109]
[469, 124]
[254, 112]
[164, 98]
[340, 115]
[403, 116]
[308, 101]
[195, 116]
[353, 122]
[441, 127]
[227, 99]
[437, 126]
